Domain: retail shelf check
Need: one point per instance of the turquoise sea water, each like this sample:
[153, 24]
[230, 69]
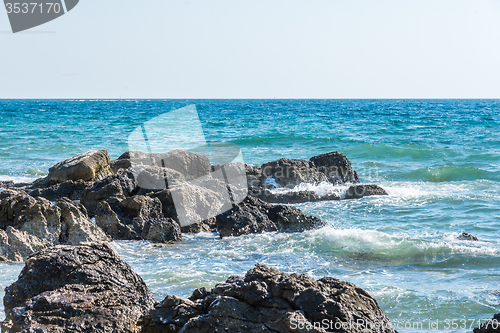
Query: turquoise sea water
[438, 159]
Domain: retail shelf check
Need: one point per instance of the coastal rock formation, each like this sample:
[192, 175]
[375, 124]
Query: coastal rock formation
[490, 326]
[162, 231]
[266, 300]
[29, 224]
[467, 236]
[360, 191]
[84, 288]
[91, 165]
[253, 216]
[336, 166]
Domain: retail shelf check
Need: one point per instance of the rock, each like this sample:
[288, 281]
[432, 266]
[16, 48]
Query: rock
[38, 217]
[336, 166]
[84, 288]
[293, 197]
[490, 326]
[77, 227]
[110, 223]
[16, 245]
[190, 165]
[267, 300]
[112, 189]
[162, 231]
[466, 236]
[6, 184]
[255, 216]
[204, 226]
[360, 191]
[290, 173]
[89, 166]
[69, 189]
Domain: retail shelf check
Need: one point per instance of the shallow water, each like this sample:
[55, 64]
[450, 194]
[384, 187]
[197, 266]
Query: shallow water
[439, 161]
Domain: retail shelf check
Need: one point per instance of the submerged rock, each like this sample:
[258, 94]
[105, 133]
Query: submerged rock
[92, 165]
[466, 236]
[266, 300]
[84, 288]
[360, 191]
[256, 216]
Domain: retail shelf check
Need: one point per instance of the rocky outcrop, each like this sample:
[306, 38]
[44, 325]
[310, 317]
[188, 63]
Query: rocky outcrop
[293, 197]
[266, 300]
[162, 231]
[336, 166]
[88, 166]
[29, 224]
[84, 288]
[490, 326]
[253, 216]
[50, 191]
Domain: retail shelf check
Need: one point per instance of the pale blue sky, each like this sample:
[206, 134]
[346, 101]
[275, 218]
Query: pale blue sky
[258, 49]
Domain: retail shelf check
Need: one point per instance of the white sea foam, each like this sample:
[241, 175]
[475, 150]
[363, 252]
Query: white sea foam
[18, 179]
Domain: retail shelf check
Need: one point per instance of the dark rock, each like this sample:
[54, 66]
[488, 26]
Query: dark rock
[360, 191]
[256, 216]
[162, 231]
[336, 166]
[110, 223]
[490, 326]
[112, 189]
[204, 226]
[466, 236]
[6, 184]
[84, 288]
[69, 189]
[293, 197]
[89, 166]
[267, 300]
[290, 173]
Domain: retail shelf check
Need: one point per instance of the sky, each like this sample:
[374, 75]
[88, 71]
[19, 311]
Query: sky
[257, 49]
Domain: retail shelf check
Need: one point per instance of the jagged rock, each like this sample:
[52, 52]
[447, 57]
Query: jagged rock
[360, 191]
[190, 165]
[267, 300]
[336, 166]
[37, 217]
[293, 197]
[45, 189]
[112, 189]
[162, 230]
[6, 184]
[77, 227]
[88, 166]
[490, 326]
[110, 223]
[290, 173]
[204, 226]
[256, 216]
[84, 288]
[467, 236]
[16, 245]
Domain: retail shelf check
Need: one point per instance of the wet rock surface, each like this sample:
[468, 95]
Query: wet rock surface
[467, 236]
[84, 288]
[360, 191]
[253, 216]
[266, 300]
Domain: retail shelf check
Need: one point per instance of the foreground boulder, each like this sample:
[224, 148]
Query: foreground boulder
[266, 300]
[29, 224]
[84, 288]
[254, 216]
[490, 326]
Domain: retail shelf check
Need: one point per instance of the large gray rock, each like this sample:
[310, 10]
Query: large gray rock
[84, 288]
[16, 245]
[88, 166]
[253, 216]
[267, 300]
[162, 231]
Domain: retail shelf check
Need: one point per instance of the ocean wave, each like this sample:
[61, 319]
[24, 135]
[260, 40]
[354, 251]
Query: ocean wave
[452, 173]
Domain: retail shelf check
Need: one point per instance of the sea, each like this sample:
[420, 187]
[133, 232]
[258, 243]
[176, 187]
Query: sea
[439, 160]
